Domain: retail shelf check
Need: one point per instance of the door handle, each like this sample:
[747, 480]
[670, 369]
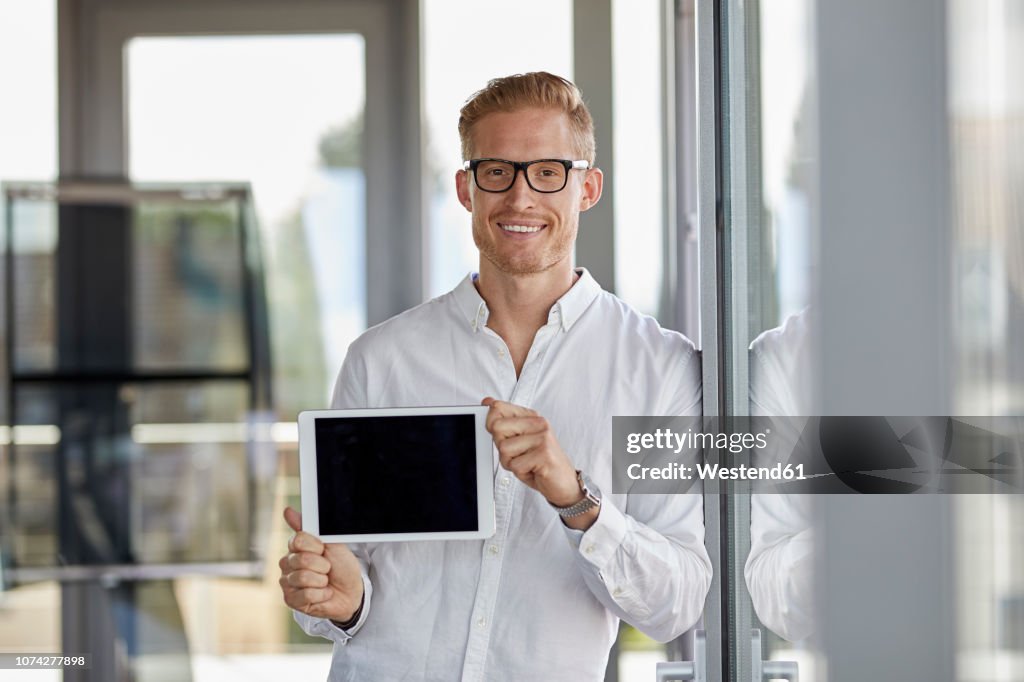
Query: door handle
[770, 670]
[695, 670]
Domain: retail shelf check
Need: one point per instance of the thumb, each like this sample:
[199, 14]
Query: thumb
[293, 519]
[488, 401]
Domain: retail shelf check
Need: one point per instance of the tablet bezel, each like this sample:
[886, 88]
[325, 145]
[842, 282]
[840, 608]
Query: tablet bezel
[484, 473]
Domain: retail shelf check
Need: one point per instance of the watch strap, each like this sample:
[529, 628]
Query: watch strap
[591, 499]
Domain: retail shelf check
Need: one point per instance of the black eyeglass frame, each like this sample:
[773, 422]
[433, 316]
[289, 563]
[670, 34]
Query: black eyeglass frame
[578, 164]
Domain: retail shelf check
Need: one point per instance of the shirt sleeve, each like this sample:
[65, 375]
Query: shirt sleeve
[778, 571]
[350, 391]
[322, 627]
[647, 563]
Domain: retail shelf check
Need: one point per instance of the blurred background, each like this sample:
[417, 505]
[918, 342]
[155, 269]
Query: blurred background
[205, 202]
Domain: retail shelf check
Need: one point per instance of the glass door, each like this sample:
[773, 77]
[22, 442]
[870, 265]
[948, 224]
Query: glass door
[284, 113]
[868, 254]
[304, 107]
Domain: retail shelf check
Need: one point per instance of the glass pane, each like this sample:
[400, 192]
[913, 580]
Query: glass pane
[987, 119]
[639, 153]
[28, 70]
[835, 211]
[541, 33]
[187, 300]
[29, 614]
[33, 228]
[768, 182]
[779, 558]
[283, 113]
[179, 489]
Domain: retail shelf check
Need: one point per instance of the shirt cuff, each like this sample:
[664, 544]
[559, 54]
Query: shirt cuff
[599, 543]
[328, 630]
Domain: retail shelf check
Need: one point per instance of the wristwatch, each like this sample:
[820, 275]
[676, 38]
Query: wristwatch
[591, 498]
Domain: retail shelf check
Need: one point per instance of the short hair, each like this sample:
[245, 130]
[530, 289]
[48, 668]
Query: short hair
[525, 90]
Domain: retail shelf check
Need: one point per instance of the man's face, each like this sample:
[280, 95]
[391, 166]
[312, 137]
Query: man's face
[550, 220]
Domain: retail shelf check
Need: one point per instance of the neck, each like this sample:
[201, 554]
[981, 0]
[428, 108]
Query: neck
[519, 304]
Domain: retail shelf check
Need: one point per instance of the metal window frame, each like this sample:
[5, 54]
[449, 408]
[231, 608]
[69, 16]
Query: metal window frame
[594, 74]
[709, 236]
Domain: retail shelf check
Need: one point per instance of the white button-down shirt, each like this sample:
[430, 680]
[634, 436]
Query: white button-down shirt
[779, 568]
[538, 600]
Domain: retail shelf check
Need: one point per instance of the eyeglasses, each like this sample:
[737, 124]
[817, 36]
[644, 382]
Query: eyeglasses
[543, 175]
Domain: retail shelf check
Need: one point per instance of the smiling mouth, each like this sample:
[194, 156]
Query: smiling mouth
[523, 229]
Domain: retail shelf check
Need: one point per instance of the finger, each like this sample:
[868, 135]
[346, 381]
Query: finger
[307, 598]
[525, 466]
[503, 410]
[293, 519]
[304, 542]
[304, 578]
[517, 426]
[518, 446]
[306, 560]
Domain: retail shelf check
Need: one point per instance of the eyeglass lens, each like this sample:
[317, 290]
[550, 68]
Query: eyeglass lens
[543, 176]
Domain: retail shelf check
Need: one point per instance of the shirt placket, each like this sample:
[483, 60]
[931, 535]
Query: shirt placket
[506, 493]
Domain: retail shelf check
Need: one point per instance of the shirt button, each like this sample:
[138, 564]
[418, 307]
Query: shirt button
[493, 549]
[589, 549]
[482, 622]
[506, 482]
[617, 592]
[501, 352]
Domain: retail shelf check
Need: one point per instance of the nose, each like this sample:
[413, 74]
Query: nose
[520, 195]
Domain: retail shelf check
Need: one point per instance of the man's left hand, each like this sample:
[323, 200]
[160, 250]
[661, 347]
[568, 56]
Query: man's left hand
[528, 448]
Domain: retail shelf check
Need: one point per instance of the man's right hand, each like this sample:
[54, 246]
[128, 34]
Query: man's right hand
[322, 580]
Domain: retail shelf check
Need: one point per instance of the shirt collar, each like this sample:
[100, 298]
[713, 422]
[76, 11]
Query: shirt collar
[568, 308]
[472, 305]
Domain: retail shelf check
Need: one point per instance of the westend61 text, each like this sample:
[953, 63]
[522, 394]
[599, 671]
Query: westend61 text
[711, 472]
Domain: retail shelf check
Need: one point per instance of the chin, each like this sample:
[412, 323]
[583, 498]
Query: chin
[521, 266]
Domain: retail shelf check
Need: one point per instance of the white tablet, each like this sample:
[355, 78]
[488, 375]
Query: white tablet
[396, 474]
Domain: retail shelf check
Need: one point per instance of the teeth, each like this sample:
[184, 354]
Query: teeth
[520, 228]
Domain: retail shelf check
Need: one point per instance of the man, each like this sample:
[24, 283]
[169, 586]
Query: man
[554, 357]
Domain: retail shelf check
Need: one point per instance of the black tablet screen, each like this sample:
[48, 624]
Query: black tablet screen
[407, 474]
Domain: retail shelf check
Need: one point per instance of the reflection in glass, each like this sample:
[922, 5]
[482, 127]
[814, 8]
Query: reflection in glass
[987, 138]
[188, 302]
[771, 174]
[779, 569]
[130, 437]
[788, 157]
[284, 113]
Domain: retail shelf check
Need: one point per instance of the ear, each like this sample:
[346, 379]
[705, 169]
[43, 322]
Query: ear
[593, 183]
[462, 189]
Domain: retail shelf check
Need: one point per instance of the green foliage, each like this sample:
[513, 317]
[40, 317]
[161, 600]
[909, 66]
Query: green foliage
[631, 639]
[342, 146]
[300, 370]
